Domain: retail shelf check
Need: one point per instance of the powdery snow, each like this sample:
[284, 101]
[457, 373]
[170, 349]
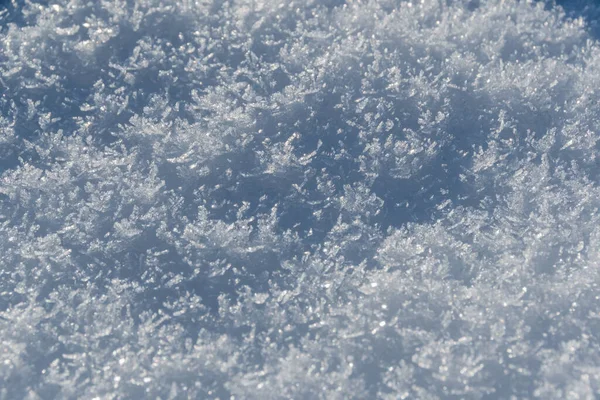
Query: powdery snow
[269, 199]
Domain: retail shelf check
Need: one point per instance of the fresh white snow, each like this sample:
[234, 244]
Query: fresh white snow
[316, 199]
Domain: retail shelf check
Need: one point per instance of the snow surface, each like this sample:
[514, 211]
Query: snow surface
[268, 199]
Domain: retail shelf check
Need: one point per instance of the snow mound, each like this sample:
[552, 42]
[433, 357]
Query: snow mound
[265, 199]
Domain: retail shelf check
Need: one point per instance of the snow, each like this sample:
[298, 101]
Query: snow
[264, 199]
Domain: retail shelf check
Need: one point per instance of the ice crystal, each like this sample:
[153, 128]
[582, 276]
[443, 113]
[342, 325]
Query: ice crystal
[319, 199]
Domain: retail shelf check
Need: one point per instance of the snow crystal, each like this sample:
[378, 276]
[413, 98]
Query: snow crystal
[319, 199]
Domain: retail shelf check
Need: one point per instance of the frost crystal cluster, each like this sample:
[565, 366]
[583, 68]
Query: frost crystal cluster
[284, 199]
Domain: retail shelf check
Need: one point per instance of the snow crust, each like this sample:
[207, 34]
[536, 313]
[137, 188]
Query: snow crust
[268, 199]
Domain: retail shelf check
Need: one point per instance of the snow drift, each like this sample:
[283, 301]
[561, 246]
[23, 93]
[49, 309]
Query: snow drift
[264, 199]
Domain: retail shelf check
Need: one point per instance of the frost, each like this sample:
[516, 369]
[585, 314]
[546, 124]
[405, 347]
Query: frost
[320, 199]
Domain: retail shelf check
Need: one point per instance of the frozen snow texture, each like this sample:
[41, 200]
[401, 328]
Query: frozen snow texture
[264, 199]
